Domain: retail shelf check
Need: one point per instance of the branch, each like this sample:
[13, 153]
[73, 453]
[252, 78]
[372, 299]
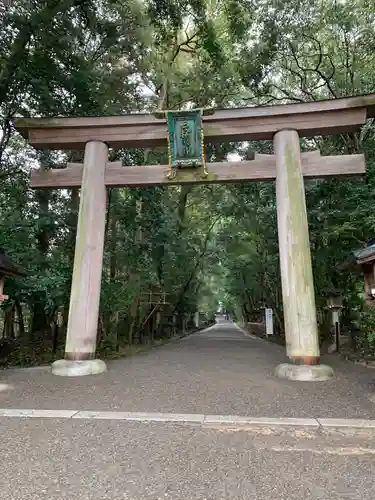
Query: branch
[320, 53]
[288, 95]
[317, 70]
[302, 79]
[163, 89]
[197, 265]
[6, 133]
[272, 98]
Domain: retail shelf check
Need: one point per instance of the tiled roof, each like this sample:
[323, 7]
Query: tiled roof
[364, 253]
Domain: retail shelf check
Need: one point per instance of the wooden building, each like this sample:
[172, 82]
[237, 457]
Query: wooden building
[363, 261]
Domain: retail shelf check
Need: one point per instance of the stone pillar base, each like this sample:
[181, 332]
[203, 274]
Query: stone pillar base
[304, 373]
[66, 368]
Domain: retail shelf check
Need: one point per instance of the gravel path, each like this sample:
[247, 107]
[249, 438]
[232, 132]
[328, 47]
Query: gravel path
[218, 371]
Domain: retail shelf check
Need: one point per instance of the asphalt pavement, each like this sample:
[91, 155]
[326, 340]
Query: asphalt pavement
[220, 372]
[217, 371]
[110, 460]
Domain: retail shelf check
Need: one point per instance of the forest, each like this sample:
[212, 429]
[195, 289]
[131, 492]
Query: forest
[191, 246]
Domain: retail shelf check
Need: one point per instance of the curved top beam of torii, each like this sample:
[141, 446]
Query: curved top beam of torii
[328, 117]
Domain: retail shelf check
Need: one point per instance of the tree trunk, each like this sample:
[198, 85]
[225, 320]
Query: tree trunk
[55, 337]
[181, 208]
[40, 322]
[9, 323]
[112, 216]
[135, 279]
[21, 322]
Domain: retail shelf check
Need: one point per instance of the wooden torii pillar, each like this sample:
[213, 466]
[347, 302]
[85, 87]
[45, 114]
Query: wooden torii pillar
[81, 335]
[283, 123]
[302, 338]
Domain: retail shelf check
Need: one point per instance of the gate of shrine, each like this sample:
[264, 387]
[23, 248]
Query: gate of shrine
[285, 124]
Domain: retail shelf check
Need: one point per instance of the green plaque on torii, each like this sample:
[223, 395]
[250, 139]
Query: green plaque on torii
[185, 139]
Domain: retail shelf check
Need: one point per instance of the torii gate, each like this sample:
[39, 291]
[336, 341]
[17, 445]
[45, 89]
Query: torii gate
[282, 123]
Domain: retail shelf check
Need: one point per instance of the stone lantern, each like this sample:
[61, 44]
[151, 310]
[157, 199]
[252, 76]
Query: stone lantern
[334, 300]
[334, 304]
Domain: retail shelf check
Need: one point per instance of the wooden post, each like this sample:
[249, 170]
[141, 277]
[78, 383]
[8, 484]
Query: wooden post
[158, 319]
[174, 323]
[301, 329]
[183, 323]
[85, 292]
[196, 319]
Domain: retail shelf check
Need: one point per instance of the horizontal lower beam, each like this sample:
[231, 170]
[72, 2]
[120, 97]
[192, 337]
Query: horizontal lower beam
[263, 168]
[329, 117]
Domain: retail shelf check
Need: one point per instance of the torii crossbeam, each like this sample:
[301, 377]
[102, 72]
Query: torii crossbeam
[262, 168]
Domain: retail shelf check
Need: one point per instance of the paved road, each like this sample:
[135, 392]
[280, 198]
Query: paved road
[91, 460]
[219, 371]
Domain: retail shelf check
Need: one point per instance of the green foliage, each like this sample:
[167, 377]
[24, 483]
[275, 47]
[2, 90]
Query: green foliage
[366, 324]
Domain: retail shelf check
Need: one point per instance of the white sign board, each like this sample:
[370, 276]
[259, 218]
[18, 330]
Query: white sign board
[269, 322]
[196, 319]
[335, 317]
